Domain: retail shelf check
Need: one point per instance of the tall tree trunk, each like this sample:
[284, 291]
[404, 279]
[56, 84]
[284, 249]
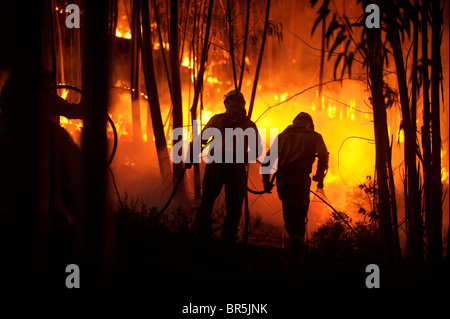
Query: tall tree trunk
[94, 217]
[252, 102]
[244, 50]
[161, 45]
[177, 101]
[152, 91]
[19, 138]
[426, 136]
[135, 74]
[261, 54]
[435, 252]
[51, 16]
[386, 208]
[198, 89]
[412, 202]
[230, 38]
[414, 74]
[322, 56]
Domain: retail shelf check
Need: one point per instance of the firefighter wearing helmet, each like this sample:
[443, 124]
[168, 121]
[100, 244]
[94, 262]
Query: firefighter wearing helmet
[298, 147]
[223, 173]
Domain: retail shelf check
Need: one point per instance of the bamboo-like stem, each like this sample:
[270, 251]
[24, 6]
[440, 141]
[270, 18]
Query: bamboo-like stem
[244, 50]
[258, 66]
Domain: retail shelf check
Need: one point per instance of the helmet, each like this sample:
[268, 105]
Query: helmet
[232, 94]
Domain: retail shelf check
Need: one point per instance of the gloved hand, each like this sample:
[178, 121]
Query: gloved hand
[268, 185]
[319, 180]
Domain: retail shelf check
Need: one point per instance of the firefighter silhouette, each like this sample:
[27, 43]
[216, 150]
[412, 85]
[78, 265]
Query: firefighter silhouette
[232, 174]
[298, 146]
[59, 158]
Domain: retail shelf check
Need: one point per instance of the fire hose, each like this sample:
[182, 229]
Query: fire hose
[108, 118]
[315, 194]
[256, 193]
[114, 149]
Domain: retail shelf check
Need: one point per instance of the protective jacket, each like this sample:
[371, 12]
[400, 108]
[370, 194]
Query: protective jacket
[232, 175]
[298, 146]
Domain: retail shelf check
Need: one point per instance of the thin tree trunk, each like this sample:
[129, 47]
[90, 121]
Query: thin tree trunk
[414, 79]
[161, 46]
[412, 201]
[199, 85]
[244, 50]
[384, 202]
[435, 252]
[322, 57]
[198, 89]
[135, 75]
[252, 101]
[414, 88]
[152, 91]
[230, 38]
[177, 101]
[258, 66]
[51, 15]
[426, 136]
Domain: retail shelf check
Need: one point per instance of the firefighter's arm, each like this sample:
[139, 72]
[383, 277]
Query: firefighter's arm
[192, 153]
[322, 165]
[58, 106]
[267, 164]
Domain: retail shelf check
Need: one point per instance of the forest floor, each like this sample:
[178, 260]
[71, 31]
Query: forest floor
[173, 270]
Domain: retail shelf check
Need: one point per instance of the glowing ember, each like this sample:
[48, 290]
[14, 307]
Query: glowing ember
[188, 63]
[157, 46]
[122, 32]
[64, 94]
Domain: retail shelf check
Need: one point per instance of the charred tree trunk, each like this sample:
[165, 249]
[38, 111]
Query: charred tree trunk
[426, 136]
[244, 50]
[135, 75]
[435, 247]
[161, 45]
[252, 102]
[152, 90]
[230, 38]
[177, 101]
[322, 56]
[198, 89]
[412, 200]
[385, 200]
[51, 32]
[414, 74]
[261, 54]
[19, 138]
[91, 226]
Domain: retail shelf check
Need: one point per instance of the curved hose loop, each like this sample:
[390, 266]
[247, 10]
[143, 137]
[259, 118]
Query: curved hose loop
[319, 197]
[108, 118]
[263, 191]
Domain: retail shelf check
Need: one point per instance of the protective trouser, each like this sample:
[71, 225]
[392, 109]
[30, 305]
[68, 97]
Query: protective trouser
[233, 176]
[293, 185]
